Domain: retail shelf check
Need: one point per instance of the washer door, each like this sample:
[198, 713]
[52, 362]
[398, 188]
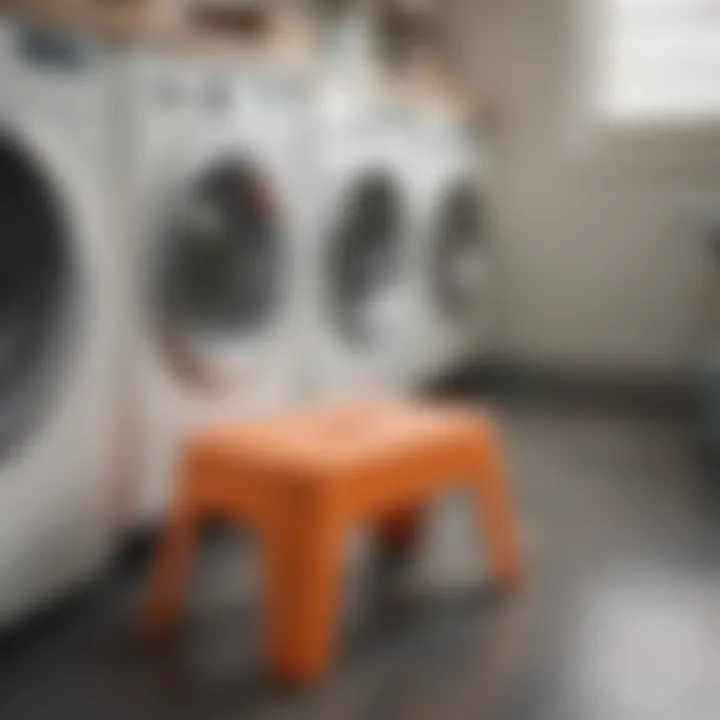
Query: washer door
[35, 292]
[458, 254]
[363, 270]
[222, 276]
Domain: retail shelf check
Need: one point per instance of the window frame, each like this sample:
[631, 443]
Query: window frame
[689, 142]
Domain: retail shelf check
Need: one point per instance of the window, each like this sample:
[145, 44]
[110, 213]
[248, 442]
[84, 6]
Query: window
[660, 60]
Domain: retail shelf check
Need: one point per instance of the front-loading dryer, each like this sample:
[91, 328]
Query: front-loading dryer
[215, 188]
[453, 309]
[59, 310]
[360, 257]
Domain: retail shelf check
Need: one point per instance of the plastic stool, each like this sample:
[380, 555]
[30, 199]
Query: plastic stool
[301, 479]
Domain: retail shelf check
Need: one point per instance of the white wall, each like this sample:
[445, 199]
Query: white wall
[600, 263]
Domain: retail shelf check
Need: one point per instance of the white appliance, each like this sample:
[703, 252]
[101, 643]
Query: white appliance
[452, 259]
[360, 258]
[58, 315]
[216, 184]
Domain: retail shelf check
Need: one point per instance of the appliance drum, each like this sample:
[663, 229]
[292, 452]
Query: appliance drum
[221, 271]
[364, 263]
[36, 292]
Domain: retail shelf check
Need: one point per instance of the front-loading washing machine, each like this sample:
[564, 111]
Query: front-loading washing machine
[359, 251]
[452, 258]
[59, 310]
[216, 188]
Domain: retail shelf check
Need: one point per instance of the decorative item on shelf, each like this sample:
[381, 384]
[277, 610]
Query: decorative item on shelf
[408, 31]
[347, 37]
[412, 49]
[290, 32]
[126, 14]
[416, 50]
[246, 18]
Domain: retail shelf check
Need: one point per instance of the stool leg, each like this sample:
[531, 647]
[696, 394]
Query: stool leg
[400, 532]
[302, 562]
[175, 555]
[495, 512]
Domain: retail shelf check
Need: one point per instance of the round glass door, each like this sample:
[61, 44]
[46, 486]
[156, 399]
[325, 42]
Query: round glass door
[459, 253]
[34, 291]
[221, 272]
[364, 263]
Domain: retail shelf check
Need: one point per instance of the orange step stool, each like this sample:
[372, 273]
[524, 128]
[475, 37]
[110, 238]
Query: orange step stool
[302, 479]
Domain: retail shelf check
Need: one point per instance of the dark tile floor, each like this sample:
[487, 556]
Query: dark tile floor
[620, 621]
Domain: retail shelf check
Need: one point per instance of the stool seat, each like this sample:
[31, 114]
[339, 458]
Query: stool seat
[317, 444]
[302, 478]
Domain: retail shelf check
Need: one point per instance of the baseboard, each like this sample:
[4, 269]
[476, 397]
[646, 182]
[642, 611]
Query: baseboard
[616, 388]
